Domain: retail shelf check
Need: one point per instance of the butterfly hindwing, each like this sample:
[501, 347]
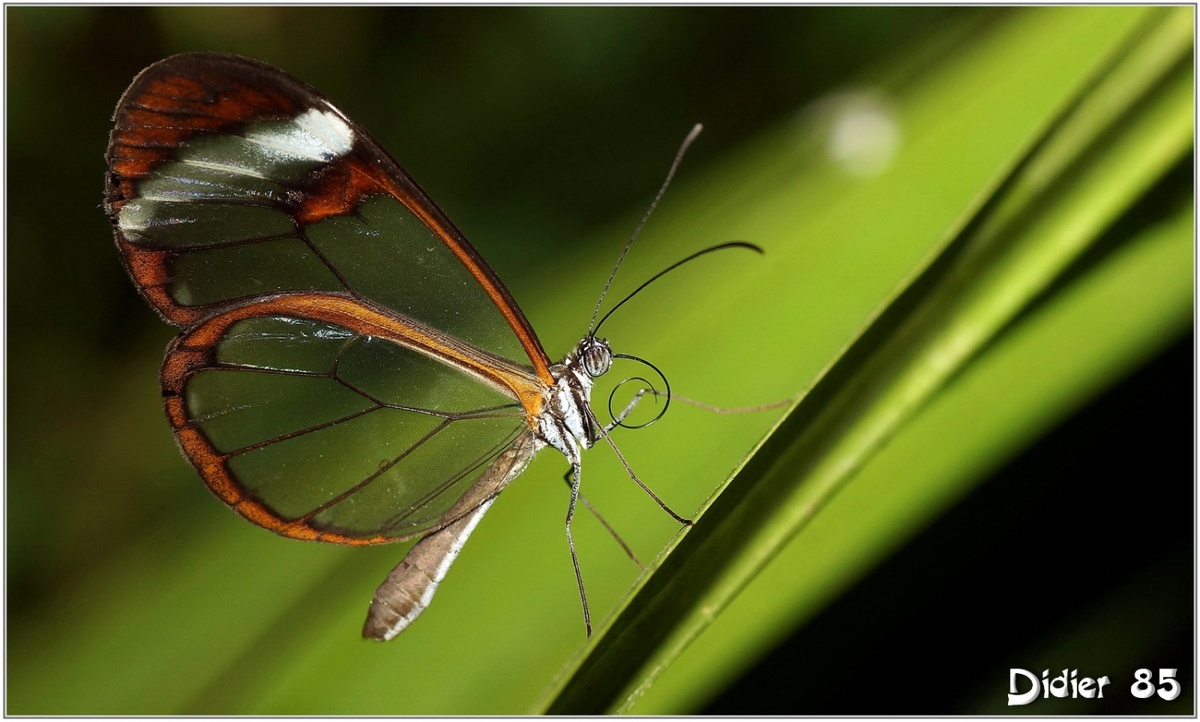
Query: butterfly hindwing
[318, 430]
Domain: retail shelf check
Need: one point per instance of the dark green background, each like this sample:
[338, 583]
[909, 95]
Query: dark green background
[533, 127]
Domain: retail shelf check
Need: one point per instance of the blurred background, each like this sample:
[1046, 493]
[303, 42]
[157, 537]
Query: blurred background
[535, 128]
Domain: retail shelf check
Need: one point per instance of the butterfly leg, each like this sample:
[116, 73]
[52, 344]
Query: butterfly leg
[604, 522]
[575, 479]
[629, 470]
[637, 397]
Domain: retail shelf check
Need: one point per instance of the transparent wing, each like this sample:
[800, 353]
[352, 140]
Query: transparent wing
[317, 430]
[230, 179]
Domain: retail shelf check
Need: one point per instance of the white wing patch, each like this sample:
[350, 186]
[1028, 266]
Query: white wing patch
[314, 135]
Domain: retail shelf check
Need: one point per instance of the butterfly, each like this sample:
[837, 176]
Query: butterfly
[350, 370]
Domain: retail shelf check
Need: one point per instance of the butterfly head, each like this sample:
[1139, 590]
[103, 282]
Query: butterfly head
[594, 356]
[589, 360]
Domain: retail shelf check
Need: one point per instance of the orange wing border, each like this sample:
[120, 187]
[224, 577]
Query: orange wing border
[195, 350]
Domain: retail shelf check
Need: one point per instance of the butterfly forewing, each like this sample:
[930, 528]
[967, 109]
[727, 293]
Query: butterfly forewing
[231, 179]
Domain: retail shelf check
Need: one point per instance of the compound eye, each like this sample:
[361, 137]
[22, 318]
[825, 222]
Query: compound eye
[596, 358]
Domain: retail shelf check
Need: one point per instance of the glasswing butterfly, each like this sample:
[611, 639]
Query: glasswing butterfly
[319, 393]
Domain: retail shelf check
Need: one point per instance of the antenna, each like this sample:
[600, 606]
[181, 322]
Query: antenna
[672, 267]
[653, 204]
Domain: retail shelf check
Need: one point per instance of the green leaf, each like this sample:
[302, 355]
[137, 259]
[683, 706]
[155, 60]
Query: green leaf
[1016, 262]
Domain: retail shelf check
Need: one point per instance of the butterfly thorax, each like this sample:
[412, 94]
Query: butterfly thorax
[566, 422]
